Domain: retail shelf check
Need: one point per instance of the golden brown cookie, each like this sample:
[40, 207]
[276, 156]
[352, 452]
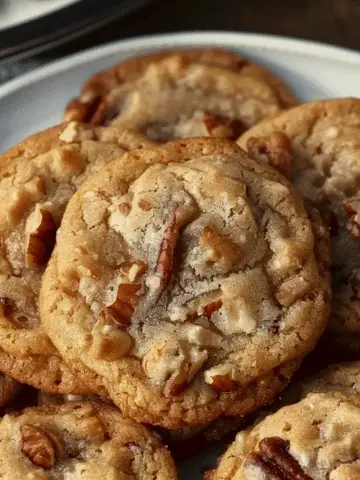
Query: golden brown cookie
[80, 441]
[315, 439]
[318, 145]
[188, 277]
[37, 178]
[184, 93]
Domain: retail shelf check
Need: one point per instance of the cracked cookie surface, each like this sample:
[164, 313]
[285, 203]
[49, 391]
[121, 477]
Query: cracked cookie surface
[186, 276]
[181, 94]
[80, 441]
[314, 439]
[37, 178]
[320, 141]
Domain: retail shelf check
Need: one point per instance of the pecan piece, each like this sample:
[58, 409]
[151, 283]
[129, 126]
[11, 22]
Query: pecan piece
[122, 309]
[211, 308]
[92, 110]
[181, 378]
[220, 379]
[41, 228]
[124, 209]
[144, 205]
[207, 310]
[40, 447]
[220, 248]
[222, 383]
[178, 382]
[173, 364]
[275, 461]
[352, 225]
[166, 257]
[224, 127]
[274, 148]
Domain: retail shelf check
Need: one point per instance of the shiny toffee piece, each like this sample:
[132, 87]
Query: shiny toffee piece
[179, 94]
[187, 277]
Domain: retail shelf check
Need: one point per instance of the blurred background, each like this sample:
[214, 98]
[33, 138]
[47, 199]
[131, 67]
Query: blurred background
[74, 25]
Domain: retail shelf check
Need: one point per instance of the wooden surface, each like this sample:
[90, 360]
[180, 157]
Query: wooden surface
[331, 21]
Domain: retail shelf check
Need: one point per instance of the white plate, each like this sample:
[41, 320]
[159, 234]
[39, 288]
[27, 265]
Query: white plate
[36, 100]
[14, 12]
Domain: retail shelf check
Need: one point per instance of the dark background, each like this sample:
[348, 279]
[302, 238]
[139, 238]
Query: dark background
[331, 21]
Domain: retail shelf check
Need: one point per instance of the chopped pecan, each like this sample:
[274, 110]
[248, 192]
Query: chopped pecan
[224, 127]
[178, 381]
[275, 461]
[211, 308]
[291, 290]
[144, 205]
[181, 378]
[207, 310]
[166, 257]
[40, 447]
[92, 111]
[220, 248]
[220, 379]
[173, 364]
[222, 383]
[41, 229]
[274, 148]
[122, 309]
[352, 225]
[124, 209]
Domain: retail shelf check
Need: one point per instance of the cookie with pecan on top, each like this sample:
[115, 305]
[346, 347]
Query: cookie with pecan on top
[317, 145]
[314, 439]
[189, 278]
[80, 441]
[183, 93]
[37, 178]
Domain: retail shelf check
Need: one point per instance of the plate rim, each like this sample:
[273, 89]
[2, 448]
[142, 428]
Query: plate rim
[39, 16]
[31, 45]
[192, 39]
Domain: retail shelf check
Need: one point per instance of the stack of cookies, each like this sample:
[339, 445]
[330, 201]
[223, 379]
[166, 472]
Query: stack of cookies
[166, 258]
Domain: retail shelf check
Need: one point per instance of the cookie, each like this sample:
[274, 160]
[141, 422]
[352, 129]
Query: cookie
[37, 178]
[177, 94]
[190, 441]
[51, 373]
[319, 144]
[341, 377]
[9, 388]
[314, 439]
[81, 441]
[186, 277]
